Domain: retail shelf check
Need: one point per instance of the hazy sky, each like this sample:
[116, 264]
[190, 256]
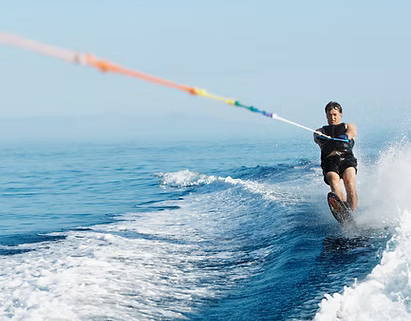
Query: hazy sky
[289, 57]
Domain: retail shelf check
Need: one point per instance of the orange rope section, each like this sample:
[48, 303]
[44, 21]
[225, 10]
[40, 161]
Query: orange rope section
[105, 66]
[86, 59]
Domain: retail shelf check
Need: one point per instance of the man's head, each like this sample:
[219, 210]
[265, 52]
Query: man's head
[333, 111]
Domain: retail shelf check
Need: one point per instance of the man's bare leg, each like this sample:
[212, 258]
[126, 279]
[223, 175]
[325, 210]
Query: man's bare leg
[333, 180]
[349, 178]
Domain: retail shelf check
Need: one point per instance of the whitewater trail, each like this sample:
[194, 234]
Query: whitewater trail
[273, 192]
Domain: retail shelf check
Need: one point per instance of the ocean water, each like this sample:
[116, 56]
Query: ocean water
[234, 230]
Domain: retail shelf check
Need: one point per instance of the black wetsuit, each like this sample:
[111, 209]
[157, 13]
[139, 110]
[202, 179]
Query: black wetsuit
[343, 157]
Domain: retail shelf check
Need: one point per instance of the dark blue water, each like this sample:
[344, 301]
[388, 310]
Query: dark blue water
[196, 230]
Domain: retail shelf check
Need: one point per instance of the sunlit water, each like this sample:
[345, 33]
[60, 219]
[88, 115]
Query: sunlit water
[200, 231]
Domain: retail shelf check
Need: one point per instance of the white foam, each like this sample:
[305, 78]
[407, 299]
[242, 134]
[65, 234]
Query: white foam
[385, 186]
[386, 292]
[97, 274]
[274, 192]
[185, 178]
[147, 266]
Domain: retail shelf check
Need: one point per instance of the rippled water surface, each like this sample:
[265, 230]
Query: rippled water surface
[197, 231]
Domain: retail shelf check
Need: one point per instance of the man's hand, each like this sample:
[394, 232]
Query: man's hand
[318, 138]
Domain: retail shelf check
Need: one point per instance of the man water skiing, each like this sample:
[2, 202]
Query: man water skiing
[337, 158]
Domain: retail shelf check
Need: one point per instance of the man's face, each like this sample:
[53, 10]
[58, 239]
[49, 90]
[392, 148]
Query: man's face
[334, 116]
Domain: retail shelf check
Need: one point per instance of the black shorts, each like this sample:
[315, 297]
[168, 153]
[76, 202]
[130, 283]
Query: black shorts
[338, 164]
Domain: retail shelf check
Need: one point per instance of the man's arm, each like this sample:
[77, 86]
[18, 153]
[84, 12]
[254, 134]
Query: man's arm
[316, 139]
[351, 131]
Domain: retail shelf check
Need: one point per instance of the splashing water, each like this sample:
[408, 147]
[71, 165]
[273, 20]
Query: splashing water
[386, 292]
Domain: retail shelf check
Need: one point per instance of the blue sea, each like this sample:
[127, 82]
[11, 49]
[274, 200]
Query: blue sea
[200, 230]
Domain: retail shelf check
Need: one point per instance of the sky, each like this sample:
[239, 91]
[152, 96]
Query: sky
[288, 57]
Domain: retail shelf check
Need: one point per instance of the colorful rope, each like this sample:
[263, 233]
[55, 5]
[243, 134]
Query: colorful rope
[107, 66]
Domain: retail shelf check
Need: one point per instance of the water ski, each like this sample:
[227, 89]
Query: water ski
[340, 210]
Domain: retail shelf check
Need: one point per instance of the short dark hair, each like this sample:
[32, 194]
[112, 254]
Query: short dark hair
[332, 105]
